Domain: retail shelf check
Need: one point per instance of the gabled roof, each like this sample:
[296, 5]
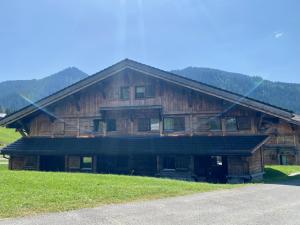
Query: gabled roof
[157, 73]
[200, 145]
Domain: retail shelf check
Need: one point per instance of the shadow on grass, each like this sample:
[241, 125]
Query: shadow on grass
[274, 176]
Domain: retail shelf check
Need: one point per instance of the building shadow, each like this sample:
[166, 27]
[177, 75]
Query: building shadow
[273, 176]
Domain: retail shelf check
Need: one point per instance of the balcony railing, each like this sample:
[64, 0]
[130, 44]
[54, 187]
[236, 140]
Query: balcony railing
[283, 140]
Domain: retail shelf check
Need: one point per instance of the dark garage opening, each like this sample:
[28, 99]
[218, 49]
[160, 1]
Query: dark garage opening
[52, 163]
[211, 168]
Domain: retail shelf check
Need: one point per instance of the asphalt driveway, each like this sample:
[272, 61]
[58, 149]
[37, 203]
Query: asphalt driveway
[266, 204]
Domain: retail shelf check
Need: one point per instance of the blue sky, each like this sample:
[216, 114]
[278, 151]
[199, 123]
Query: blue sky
[41, 37]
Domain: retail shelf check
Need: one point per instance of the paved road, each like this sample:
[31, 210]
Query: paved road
[265, 204]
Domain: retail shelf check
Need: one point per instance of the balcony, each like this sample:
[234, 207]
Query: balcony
[282, 141]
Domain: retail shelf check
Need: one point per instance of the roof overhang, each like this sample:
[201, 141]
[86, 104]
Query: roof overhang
[186, 145]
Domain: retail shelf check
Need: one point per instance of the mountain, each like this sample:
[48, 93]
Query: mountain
[285, 95]
[19, 93]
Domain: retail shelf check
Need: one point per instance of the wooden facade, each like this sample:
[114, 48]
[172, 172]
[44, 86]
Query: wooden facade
[135, 103]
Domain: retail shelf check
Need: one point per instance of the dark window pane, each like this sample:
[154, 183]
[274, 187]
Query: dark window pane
[98, 125]
[143, 124]
[140, 92]
[202, 124]
[182, 162]
[169, 162]
[124, 93]
[144, 91]
[179, 124]
[284, 160]
[111, 125]
[86, 163]
[168, 123]
[174, 124]
[230, 124]
[244, 123]
[215, 124]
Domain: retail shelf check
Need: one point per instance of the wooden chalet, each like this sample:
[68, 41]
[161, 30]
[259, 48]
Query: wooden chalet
[134, 119]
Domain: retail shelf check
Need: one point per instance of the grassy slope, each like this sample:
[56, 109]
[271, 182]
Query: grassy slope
[280, 173]
[28, 192]
[8, 136]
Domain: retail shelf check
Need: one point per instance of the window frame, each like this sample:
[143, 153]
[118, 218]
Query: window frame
[84, 168]
[136, 94]
[121, 93]
[108, 126]
[166, 161]
[284, 160]
[174, 124]
[98, 123]
[226, 124]
[182, 160]
[151, 120]
[175, 162]
[206, 125]
[149, 124]
[149, 91]
[219, 122]
[240, 119]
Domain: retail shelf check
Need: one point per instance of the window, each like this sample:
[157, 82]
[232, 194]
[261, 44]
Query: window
[206, 124]
[144, 92]
[146, 124]
[143, 124]
[215, 124]
[174, 124]
[217, 160]
[124, 93]
[111, 125]
[154, 124]
[86, 163]
[244, 123]
[176, 162]
[182, 162]
[169, 162]
[98, 125]
[284, 160]
[230, 124]
[202, 124]
[30, 162]
[140, 92]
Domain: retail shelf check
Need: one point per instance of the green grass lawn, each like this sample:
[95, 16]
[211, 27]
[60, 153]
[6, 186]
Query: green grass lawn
[8, 136]
[28, 192]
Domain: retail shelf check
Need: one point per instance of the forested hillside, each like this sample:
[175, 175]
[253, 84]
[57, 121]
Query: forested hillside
[285, 95]
[17, 94]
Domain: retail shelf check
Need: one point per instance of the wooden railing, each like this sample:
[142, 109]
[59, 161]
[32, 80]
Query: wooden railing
[283, 140]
